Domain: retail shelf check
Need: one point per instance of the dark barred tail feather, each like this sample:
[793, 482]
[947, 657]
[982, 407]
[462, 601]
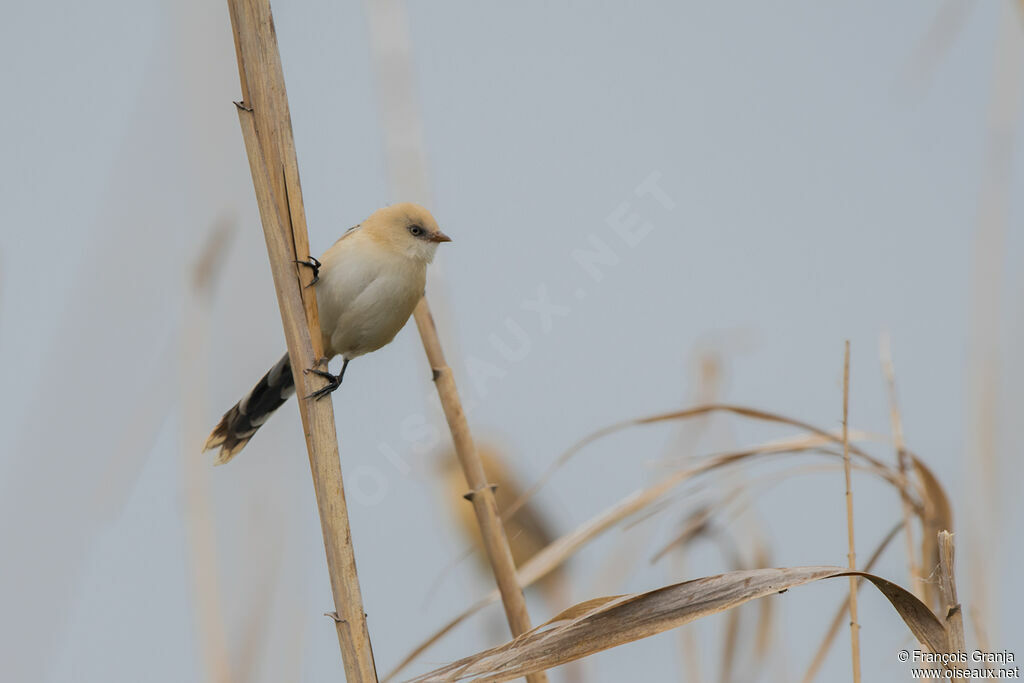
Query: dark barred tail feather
[240, 423]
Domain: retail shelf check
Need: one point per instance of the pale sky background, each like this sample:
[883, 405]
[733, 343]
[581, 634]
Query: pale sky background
[829, 166]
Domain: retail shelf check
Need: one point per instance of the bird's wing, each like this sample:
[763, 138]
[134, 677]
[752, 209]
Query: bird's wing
[347, 233]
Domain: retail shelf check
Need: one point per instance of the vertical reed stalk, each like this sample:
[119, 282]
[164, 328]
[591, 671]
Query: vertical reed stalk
[952, 615]
[481, 494]
[407, 167]
[852, 555]
[902, 463]
[266, 127]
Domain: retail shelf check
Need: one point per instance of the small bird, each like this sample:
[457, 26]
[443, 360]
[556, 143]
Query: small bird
[367, 285]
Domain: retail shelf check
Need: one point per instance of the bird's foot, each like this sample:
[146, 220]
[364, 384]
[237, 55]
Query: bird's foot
[315, 265]
[333, 382]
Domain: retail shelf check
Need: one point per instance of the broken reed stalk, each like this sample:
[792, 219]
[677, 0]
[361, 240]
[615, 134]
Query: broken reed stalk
[481, 493]
[266, 127]
[952, 614]
[902, 462]
[852, 555]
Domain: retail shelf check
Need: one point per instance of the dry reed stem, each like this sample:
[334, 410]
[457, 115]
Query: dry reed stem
[407, 167]
[852, 555]
[952, 613]
[480, 494]
[266, 128]
[902, 462]
[837, 620]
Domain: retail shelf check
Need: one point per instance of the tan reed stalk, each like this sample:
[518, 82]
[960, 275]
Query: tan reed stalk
[266, 126]
[902, 462]
[408, 171]
[837, 621]
[480, 494]
[852, 556]
[952, 614]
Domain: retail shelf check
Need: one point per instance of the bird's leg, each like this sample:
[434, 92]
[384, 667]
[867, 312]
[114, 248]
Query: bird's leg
[333, 381]
[315, 265]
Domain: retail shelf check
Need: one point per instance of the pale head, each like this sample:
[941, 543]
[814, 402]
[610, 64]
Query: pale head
[406, 228]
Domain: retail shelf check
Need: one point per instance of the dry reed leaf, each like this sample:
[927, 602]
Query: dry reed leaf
[562, 548]
[623, 619]
[686, 414]
[694, 525]
[565, 546]
[902, 460]
[556, 553]
[936, 516]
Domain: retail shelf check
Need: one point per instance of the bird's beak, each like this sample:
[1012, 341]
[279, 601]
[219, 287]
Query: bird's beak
[440, 237]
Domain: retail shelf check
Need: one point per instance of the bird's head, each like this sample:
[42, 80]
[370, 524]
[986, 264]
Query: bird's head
[408, 229]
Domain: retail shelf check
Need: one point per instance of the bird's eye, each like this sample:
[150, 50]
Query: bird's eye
[415, 230]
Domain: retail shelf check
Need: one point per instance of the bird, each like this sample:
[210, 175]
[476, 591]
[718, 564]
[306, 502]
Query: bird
[367, 285]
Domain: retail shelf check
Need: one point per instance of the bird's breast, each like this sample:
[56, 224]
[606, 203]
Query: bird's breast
[365, 298]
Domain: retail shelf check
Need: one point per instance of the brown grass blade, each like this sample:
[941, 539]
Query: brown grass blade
[623, 619]
[902, 461]
[936, 516]
[689, 413]
[562, 548]
[565, 546]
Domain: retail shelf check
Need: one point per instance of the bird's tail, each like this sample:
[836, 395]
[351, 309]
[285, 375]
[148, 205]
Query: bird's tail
[240, 423]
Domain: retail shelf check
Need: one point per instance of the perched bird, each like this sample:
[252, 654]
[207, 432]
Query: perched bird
[367, 285]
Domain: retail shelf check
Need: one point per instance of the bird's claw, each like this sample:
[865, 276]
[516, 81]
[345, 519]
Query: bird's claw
[333, 382]
[315, 265]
